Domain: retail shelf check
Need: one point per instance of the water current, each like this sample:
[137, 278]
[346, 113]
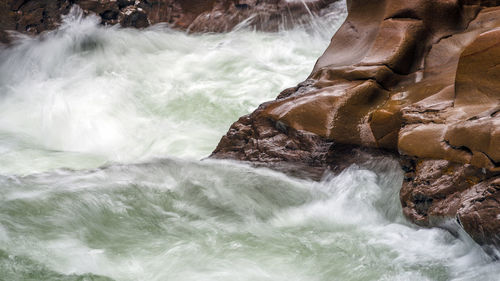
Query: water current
[101, 134]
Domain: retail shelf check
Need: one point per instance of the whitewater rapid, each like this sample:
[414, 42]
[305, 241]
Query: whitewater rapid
[122, 95]
[101, 132]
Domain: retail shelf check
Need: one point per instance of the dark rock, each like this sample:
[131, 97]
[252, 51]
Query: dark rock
[478, 213]
[35, 16]
[28, 16]
[133, 17]
[418, 78]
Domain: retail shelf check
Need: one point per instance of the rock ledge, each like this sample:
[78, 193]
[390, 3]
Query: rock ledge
[420, 79]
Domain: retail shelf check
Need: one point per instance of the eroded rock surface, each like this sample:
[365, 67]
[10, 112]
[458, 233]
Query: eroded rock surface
[419, 78]
[35, 16]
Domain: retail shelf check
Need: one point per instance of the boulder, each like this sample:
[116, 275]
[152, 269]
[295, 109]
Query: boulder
[416, 78]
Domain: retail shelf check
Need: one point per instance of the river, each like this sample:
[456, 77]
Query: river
[101, 134]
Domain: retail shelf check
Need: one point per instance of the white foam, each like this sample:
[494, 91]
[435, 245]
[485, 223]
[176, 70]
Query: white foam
[87, 94]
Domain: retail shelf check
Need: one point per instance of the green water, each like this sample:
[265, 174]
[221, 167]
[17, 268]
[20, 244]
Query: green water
[101, 132]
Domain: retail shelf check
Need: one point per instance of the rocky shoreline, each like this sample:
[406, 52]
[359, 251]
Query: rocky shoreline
[36, 16]
[414, 79]
[418, 79]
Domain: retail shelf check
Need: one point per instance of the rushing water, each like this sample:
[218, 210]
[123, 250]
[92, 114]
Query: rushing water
[101, 130]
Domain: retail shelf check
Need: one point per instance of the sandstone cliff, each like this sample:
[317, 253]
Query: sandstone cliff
[420, 79]
[35, 16]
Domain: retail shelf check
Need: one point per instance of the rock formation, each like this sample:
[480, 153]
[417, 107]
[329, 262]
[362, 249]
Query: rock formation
[35, 16]
[420, 79]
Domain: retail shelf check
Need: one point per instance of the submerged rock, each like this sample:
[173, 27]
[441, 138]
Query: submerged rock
[35, 16]
[416, 78]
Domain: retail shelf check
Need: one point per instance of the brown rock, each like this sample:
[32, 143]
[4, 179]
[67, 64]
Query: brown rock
[432, 190]
[30, 16]
[478, 213]
[268, 15]
[35, 16]
[420, 78]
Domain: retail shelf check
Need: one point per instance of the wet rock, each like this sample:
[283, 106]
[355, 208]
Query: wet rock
[418, 78]
[35, 16]
[478, 213]
[433, 190]
[268, 15]
[133, 17]
[30, 17]
[264, 142]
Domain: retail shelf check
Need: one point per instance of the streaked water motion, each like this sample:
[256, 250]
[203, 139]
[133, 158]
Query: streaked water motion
[101, 133]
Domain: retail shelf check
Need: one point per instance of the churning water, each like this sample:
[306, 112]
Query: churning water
[101, 130]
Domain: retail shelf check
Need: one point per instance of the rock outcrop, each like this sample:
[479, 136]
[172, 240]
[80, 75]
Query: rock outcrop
[35, 16]
[416, 78]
